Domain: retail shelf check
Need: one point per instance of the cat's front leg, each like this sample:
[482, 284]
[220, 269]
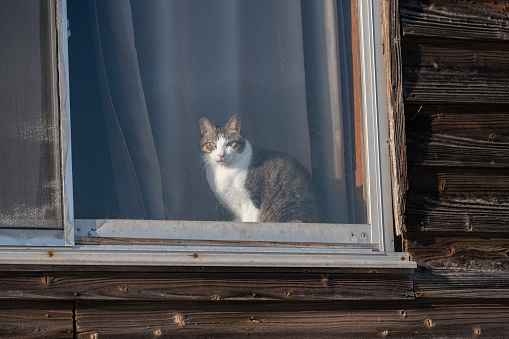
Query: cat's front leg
[250, 213]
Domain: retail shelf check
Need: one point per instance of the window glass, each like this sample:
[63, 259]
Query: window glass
[143, 73]
[29, 129]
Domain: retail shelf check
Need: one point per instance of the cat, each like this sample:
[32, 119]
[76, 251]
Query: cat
[255, 185]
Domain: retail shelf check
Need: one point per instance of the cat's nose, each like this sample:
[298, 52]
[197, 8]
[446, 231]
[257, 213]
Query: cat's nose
[221, 156]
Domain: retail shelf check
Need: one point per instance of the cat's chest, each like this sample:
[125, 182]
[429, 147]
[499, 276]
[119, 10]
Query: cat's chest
[228, 182]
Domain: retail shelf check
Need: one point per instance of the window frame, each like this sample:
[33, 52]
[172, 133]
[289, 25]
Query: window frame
[360, 246]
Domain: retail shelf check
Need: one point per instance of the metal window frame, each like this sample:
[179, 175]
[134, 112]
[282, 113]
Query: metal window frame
[235, 244]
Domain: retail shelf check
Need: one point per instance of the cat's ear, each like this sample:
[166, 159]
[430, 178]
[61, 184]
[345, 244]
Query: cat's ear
[206, 126]
[234, 123]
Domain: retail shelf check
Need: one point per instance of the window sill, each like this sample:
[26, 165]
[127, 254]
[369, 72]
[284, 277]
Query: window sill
[103, 255]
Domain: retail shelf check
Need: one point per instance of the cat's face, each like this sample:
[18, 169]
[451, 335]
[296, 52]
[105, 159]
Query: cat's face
[221, 144]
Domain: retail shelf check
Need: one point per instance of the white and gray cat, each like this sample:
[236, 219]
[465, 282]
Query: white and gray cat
[255, 185]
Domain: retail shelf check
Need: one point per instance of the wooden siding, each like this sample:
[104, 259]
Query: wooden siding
[456, 78]
[292, 320]
[227, 286]
[449, 109]
[456, 94]
[22, 319]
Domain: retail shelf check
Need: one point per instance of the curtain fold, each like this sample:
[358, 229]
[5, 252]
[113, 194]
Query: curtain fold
[162, 65]
[136, 170]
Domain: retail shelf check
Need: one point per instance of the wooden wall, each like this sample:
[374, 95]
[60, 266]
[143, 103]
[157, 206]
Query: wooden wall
[454, 114]
[456, 94]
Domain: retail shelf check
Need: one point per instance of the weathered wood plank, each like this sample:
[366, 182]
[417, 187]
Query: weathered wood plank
[458, 135]
[453, 254]
[445, 283]
[427, 214]
[428, 84]
[458, 19]
[292, 320]
[390, 285]
[396, 114]
[442, 53]
[459, 267]
[23, 319]
[453, 184]
[458, 200]
[455, 71]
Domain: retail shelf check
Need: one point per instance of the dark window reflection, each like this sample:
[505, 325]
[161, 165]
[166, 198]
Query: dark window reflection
[29, 138]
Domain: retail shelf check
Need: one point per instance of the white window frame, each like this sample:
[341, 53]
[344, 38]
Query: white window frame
[199, 243]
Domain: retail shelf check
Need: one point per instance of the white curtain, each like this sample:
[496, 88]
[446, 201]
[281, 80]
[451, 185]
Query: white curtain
[162, 65]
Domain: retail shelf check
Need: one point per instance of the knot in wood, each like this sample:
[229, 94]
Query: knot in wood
[179, 320]
[478, 330]
[429, 323]
[442, 185]
[325, 280]
[469, 226]
[254, 320]
[47, 279]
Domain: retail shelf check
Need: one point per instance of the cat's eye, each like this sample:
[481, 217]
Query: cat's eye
[212, 144]
[231, 144]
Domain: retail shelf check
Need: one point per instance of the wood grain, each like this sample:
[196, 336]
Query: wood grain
[443, 200]
[294, 320]
[488, 254]
[456, 19]
[391, 285]
[461, 54]
[459, 184]
[425, 214]
[454, 66]
[22, 319]
[428, 84]
[395, 109]
[455, 70]
[457, 267]
[458, 135]
[447, 284]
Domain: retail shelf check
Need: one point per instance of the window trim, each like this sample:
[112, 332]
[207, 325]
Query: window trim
[321, 253]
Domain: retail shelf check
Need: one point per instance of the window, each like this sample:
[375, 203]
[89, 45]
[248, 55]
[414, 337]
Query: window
[31, 203]
[306, 77]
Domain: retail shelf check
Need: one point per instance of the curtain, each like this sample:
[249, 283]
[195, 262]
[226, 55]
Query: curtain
[161, 65]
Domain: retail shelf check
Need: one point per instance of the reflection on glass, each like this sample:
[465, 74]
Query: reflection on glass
[144, 73]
